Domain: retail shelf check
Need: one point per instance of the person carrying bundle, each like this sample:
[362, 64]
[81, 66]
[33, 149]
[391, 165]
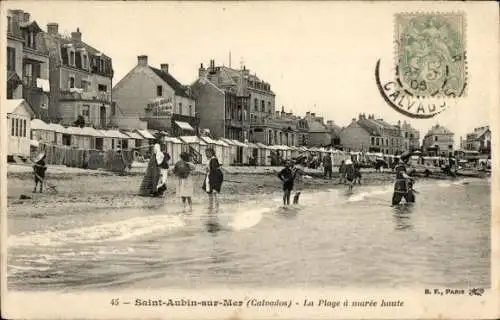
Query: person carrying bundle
[183, 170]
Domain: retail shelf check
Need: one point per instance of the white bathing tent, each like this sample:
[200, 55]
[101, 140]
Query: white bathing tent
[134, 139]
[226, 152]
[174, 148]
[196, 143]
[58, 131]
[19, 114]
[41, 131]
[264, 154]
[233, 150]
[242, 156]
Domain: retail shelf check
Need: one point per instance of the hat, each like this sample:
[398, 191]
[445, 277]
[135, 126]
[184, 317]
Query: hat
[40, 156]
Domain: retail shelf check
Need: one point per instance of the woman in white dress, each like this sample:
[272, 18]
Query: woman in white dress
[183, 170]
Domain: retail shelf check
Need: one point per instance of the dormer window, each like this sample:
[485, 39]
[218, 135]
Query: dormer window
[29, 39]
[9, 24]
[85, 61]
[72, 58]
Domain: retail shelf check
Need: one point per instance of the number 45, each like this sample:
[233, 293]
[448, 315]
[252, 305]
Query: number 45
[115, 302]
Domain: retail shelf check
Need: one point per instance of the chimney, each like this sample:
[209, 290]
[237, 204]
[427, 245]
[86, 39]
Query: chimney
[353, 119]
[329, 122]
[26, 17]
[320, 119]
[360, 116]
[142, 60]
[277, 113]
[164, 67]
[308, 114]
[52, 28]
[77, 35]
[282, 109]
[313, 114]
[201, 71]
[18, 15]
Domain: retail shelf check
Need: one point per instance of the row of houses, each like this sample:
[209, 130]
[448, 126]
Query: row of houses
[63, 79]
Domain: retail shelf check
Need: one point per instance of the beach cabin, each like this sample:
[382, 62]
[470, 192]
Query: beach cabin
[78, 138]
[241, 156]
[58, 132]
[253, 153]
[264, 154]
[194, 146]
[233, 150]
[226, 152]
[118, 139]
[134, 141]
[222, 151]
[41, 132]
[19, 115]
[174, 148]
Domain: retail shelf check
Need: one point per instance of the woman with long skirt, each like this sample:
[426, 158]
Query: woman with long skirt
[154, 183]
[213, 180]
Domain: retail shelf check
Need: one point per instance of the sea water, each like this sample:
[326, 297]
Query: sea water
[330, 239]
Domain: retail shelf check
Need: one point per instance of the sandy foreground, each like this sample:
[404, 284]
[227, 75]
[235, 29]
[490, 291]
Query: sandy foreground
[80, 190]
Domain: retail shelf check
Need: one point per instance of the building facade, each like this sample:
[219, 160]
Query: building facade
[319, 133]
[249, 103]
[80, 80]
[27, 63]
[438, 141]
[411, 137]
[147, 95]
[478, 140]
[372, 135]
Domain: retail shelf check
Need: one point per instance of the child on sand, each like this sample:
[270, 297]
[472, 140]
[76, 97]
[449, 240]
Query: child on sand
[185, 185]
[39, 169]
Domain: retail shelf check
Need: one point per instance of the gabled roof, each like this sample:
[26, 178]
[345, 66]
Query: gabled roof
[31, 25]
[482, 132]
[371, 127]
[438, 129]
[81, 44]
[315, 126]
[10, 105]
[179, 89]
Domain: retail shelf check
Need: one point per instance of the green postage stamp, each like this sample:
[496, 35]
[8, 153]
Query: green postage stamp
[431, 54]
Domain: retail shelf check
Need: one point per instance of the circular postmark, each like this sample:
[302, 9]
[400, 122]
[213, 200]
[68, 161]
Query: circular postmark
[431, 58]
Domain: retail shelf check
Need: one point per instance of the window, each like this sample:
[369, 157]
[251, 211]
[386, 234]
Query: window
[102, 88]
[84, 61]
[386, 141]
[24, 128]
[11, 59]
[180, 107]
[450, 146]
[20, 127]
[256, 104]
[29, 40]
[406, 135]
[12, 127]
[263, 106]
[17, 127]
[159, 91]
[378, 141]
[86, 113]
[71, 82]
[28, 74]
[72, 58]
[85, 85]
[190, 110]
[9, 24]
[435, 138]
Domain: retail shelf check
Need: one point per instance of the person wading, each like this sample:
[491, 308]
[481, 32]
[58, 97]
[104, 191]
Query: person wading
[403, 186]
[39, 169]
[183, 170]
[154, 183]
[212, 183]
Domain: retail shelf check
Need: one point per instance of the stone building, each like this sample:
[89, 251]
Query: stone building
[372, 135]
[438, 141]
[27, 63]
[80, 80]
[411, 136]
[148, 97]
[478, 140]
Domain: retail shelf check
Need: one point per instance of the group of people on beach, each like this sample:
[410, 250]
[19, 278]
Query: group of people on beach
[154, 183]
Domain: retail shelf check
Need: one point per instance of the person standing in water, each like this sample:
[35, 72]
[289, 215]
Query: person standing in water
[349, 174]
[327, 165]
[287, 176]
[403, 186]
[213, 180]
[185, 185]
[154, 183]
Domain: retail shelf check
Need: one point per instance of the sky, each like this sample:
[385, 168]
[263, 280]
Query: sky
[318, 57]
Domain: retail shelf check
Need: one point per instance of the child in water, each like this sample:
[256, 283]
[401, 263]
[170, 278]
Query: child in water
[39, 169]
[185, 185]
[287, 176]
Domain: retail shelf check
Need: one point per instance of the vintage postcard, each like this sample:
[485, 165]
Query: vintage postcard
[249, 160]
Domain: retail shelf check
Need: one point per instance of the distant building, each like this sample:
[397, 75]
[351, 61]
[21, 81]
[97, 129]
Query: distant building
[478, 140]
[27, 63]
[80, 80]
[319, 134]
[438, 141]
[372, 135]
[153, 97]
[247, 104]
[411, 137]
